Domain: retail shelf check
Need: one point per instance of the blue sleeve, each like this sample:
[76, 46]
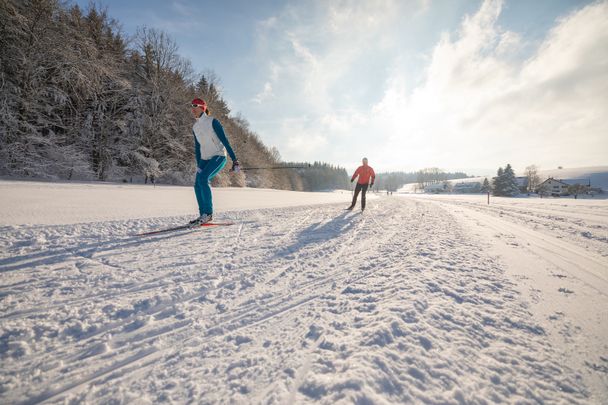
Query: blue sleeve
[219, 130]
[197, 149]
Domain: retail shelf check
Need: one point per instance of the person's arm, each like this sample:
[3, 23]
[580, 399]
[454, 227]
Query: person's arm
[219, 130]
[373, 176]
[197, 149]
[355, 174]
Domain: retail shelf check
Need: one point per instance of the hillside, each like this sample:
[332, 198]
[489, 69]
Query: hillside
[81, 101]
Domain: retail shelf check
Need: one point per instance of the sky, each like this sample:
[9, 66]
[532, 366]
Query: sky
[409, 84]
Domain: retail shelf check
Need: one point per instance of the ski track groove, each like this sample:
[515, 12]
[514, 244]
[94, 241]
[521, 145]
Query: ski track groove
[81, 382]
[156, 310]
[234, 322]
[181, 333]
[134, 352]
[558, 247]
[550, 222]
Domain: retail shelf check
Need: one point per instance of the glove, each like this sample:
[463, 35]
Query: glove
[351, 180]
[371, 185]
[236, 166]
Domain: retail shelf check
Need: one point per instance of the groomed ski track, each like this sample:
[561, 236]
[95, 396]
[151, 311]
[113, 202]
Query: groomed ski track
[292, 305]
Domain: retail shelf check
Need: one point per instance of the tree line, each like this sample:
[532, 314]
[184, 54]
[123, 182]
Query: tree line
[81, 101]
[392, 181]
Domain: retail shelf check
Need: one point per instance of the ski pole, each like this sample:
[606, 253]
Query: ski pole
[274, 167]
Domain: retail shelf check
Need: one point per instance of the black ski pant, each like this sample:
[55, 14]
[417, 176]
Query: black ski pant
[363, 189]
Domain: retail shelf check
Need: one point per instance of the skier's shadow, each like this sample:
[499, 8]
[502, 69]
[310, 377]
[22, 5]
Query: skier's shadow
[58, 255]
[319, 233]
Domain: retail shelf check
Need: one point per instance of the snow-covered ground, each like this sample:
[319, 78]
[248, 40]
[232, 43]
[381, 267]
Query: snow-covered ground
[23, 202]
[421, 299]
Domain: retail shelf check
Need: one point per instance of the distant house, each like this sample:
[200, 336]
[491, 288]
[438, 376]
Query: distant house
[577, 182]
[580, 186]
[553, 187]
[436, 188]
[467, 187]
[522, 183]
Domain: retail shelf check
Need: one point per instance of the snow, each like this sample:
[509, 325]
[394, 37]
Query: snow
[24, 202]
[596, 175]
[421, 299]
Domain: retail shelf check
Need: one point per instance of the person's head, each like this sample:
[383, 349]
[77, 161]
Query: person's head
[198, 107]
[364, 161]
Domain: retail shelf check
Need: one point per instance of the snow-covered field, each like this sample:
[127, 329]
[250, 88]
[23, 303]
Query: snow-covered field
[24, 202]
[421, 299]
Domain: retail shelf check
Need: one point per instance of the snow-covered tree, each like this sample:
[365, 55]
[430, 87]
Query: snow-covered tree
[498, 183]
[505, 183]
[62, 81]
[510, 182]
[78, 102]
[486, 186]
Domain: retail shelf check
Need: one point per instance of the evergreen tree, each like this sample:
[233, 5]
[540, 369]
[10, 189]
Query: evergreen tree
[505, 183]
[498, 183]
[486, 187]
[392, 181]
[510, 186]
[322, 176]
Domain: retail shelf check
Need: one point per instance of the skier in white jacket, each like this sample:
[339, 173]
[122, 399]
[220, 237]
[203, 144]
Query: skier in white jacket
[210, 146]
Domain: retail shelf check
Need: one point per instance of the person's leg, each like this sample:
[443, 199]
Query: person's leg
[356, 195]
[363, 191]
[207, 171]
[198, 188]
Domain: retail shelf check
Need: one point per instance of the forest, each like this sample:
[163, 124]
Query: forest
[392, 181]
[81, 101]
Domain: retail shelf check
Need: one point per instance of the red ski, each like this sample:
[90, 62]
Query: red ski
[184, 227]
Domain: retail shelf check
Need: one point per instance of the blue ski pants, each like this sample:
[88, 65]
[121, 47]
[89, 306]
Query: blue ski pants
[206, 170]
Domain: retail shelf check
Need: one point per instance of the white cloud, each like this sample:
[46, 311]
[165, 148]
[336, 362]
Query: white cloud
[318, 44]
[342, 123]
[265, 94]
[182, 8]
[481, 106]
[479, 103]
[315, 52]
[301, 141]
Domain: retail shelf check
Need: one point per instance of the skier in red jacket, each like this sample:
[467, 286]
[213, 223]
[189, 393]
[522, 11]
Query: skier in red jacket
[365, 173]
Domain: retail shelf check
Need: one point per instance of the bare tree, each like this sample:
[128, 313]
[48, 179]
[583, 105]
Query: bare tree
[77, 100]
[531, 174]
